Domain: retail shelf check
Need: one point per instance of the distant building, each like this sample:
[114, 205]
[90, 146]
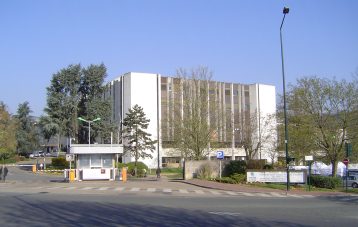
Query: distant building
[152, 92]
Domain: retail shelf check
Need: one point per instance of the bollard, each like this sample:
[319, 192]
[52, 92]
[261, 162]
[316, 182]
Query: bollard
[34, 168]
[124, 173]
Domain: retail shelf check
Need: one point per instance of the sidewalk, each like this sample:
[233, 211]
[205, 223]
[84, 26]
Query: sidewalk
[250, 189]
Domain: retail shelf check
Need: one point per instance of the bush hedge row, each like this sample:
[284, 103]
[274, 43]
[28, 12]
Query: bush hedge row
[60, 161]
[325, 182]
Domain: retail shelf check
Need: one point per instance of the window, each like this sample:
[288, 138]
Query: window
[236, 93]
[170, 88]
[84, 161]
[106, 161]
[247, 107]
[96, 161]
[227, 92]
[164, 87]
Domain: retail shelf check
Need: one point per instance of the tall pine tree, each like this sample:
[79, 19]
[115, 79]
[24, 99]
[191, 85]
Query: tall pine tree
[136, 140]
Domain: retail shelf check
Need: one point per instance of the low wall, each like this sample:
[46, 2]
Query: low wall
[201, 169]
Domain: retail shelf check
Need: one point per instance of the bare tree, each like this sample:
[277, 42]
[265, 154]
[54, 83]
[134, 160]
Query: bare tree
[192, 117]
[255, 132]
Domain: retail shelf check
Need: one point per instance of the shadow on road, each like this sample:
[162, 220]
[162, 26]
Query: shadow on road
[83, 213]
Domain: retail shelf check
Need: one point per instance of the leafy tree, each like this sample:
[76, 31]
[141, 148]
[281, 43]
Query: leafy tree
[8, 127]
[62, 102]
[27, 139]
[137, 141]
[192, 118]
[325, 110]
[93, 106]
[77, 92]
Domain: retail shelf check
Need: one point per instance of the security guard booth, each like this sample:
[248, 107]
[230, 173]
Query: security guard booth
[95, 162]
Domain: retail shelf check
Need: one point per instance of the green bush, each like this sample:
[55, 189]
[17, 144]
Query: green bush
[325, 182]
[9, 161]
[238, 177]
[237, 166]
[121, 165]
[60, 161]
[268, 166]
[228, 180]
[140, 166]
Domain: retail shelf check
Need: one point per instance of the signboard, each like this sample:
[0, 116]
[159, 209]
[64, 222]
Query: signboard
[276, 176]
[69, 157]
[345, 161]
[220, 155]
[309, 158]
[103, 171]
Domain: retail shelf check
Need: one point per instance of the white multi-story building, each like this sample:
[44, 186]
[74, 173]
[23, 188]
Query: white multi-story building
[152, 92]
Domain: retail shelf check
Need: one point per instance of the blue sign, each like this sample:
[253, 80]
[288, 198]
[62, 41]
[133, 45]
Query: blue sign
[220, 155]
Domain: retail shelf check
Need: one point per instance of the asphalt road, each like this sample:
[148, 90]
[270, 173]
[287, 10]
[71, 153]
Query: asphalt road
[43, 201]
[47, 209]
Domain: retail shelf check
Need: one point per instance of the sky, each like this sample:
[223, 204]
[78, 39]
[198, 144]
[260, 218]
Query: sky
[239, 40]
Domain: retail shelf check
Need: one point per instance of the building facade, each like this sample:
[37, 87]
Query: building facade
[154, 93]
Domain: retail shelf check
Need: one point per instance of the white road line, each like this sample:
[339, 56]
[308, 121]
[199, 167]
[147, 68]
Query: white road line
[247, 194]
[151, 190]
[231, 193]
[36, 187]
[295, 196]
[54, 188]
[167, 190]
[264, 195]
[183, 191]
[135, 189]
[87, 188]
[277, 195]
[102, 189]
[199, 192]
[215, 192]
[118, 189]
[70, 188]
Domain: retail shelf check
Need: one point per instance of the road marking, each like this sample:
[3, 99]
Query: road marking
[36, 187]
[247, 194]
[215, 192]
[167, 190]
[183, 191]
[277, 195]
[224, 213]
[87, 188]
[199, 192]
[151, 190]
[54, 188]
[118, 189]
[263, 195]
[231, 193]
[70, 188]
[296, 196]
[135, 189]
[102, 189]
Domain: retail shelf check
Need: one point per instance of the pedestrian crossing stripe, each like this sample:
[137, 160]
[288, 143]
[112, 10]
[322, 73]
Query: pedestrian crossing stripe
[184, 191]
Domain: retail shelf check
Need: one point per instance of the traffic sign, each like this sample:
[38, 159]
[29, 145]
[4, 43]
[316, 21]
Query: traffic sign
[345, 161]
[220, 155]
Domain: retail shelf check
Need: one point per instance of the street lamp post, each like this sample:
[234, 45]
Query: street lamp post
[285, 11]
[89, 127]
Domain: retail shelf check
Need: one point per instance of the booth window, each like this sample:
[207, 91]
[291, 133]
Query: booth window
[84, 161]
[107, 160]
[96, 161]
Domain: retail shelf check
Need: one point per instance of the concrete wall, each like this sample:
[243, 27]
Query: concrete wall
[193, 168]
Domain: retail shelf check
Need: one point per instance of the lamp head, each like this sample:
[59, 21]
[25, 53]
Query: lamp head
[286, 10]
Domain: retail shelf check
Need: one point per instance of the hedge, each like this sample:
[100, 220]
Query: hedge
[325, 182]
[60, 161]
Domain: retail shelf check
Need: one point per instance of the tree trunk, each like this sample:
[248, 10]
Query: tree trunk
[334, 168]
